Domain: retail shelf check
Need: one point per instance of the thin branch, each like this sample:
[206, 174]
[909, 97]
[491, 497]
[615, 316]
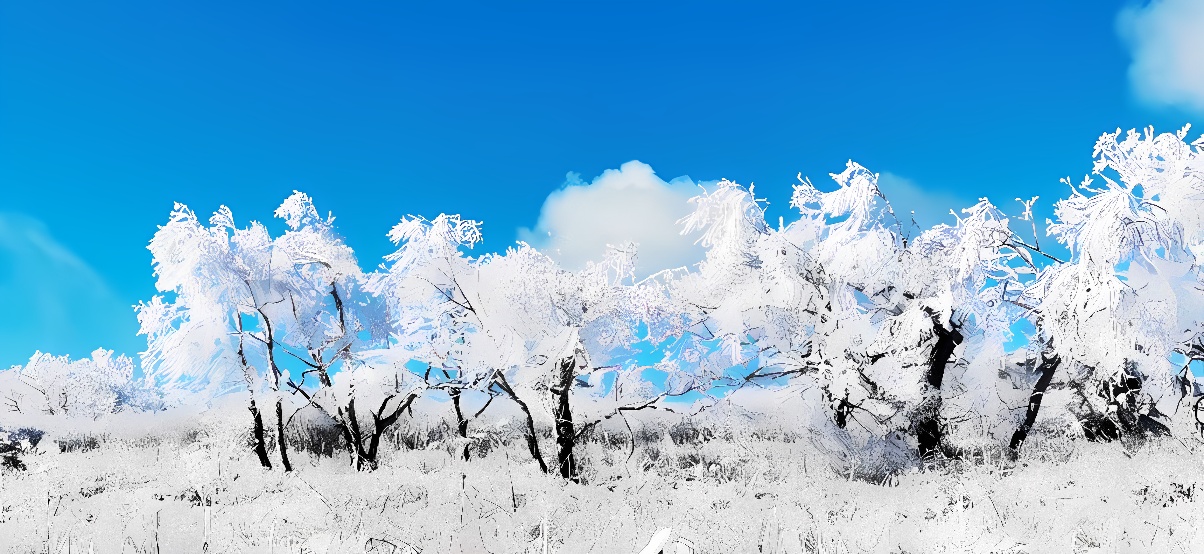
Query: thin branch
[283, 349]
[482, 410]
[1034, 249]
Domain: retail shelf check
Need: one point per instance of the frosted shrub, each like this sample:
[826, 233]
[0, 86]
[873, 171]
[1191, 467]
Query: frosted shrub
[89, 388]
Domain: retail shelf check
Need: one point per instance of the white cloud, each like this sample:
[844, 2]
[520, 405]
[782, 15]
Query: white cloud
[1166, 40]
[930, 207]
[626, 204]
[52, 300]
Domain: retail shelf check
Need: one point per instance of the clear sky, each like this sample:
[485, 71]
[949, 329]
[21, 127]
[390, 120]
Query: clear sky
[112, 111]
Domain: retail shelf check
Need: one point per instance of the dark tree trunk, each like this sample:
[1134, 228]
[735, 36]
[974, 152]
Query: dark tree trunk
[281, 442]
[381, 423]
[532, 438]
[1045, 376]
[261, 450]
[565, 434]
[357, 436]
[351, 433]
[458, 408]
[346, 432]
[929, 430]
[374, 443]
[461, 422]
[930, 436]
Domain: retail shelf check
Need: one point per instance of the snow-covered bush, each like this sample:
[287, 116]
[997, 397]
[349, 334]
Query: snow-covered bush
[16, 442]
[88, 388]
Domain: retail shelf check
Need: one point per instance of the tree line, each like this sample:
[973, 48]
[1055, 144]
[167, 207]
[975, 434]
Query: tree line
[898, 339]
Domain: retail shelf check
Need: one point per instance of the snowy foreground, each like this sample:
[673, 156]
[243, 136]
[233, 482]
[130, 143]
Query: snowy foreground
[745, 492]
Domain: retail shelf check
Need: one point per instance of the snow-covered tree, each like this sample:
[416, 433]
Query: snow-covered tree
[568, 328]
[198, 343]
[1129, 297]
[514, 324]
[329, 323]
[242, 307]
[964, 276]
[431, 317]
[842, 303]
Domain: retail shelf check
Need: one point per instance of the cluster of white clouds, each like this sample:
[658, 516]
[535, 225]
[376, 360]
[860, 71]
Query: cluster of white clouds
[631, 203]
[1166, 41]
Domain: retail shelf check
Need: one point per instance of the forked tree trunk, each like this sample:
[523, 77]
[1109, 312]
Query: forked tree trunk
[381, 423]
[565, 434]
[929, 430]
[261, 449]
[281, 442]
[374, 446]
[1046, 371]
[366, 458]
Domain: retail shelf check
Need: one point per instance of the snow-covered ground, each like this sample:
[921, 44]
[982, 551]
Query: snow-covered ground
[736, 491]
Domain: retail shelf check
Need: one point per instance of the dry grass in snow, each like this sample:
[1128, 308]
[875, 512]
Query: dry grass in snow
[726, 493]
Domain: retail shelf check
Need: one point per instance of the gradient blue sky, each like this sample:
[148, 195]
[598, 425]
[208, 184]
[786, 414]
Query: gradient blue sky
[111, 111]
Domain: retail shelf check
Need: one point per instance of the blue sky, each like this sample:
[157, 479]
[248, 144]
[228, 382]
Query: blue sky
[110, 112]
